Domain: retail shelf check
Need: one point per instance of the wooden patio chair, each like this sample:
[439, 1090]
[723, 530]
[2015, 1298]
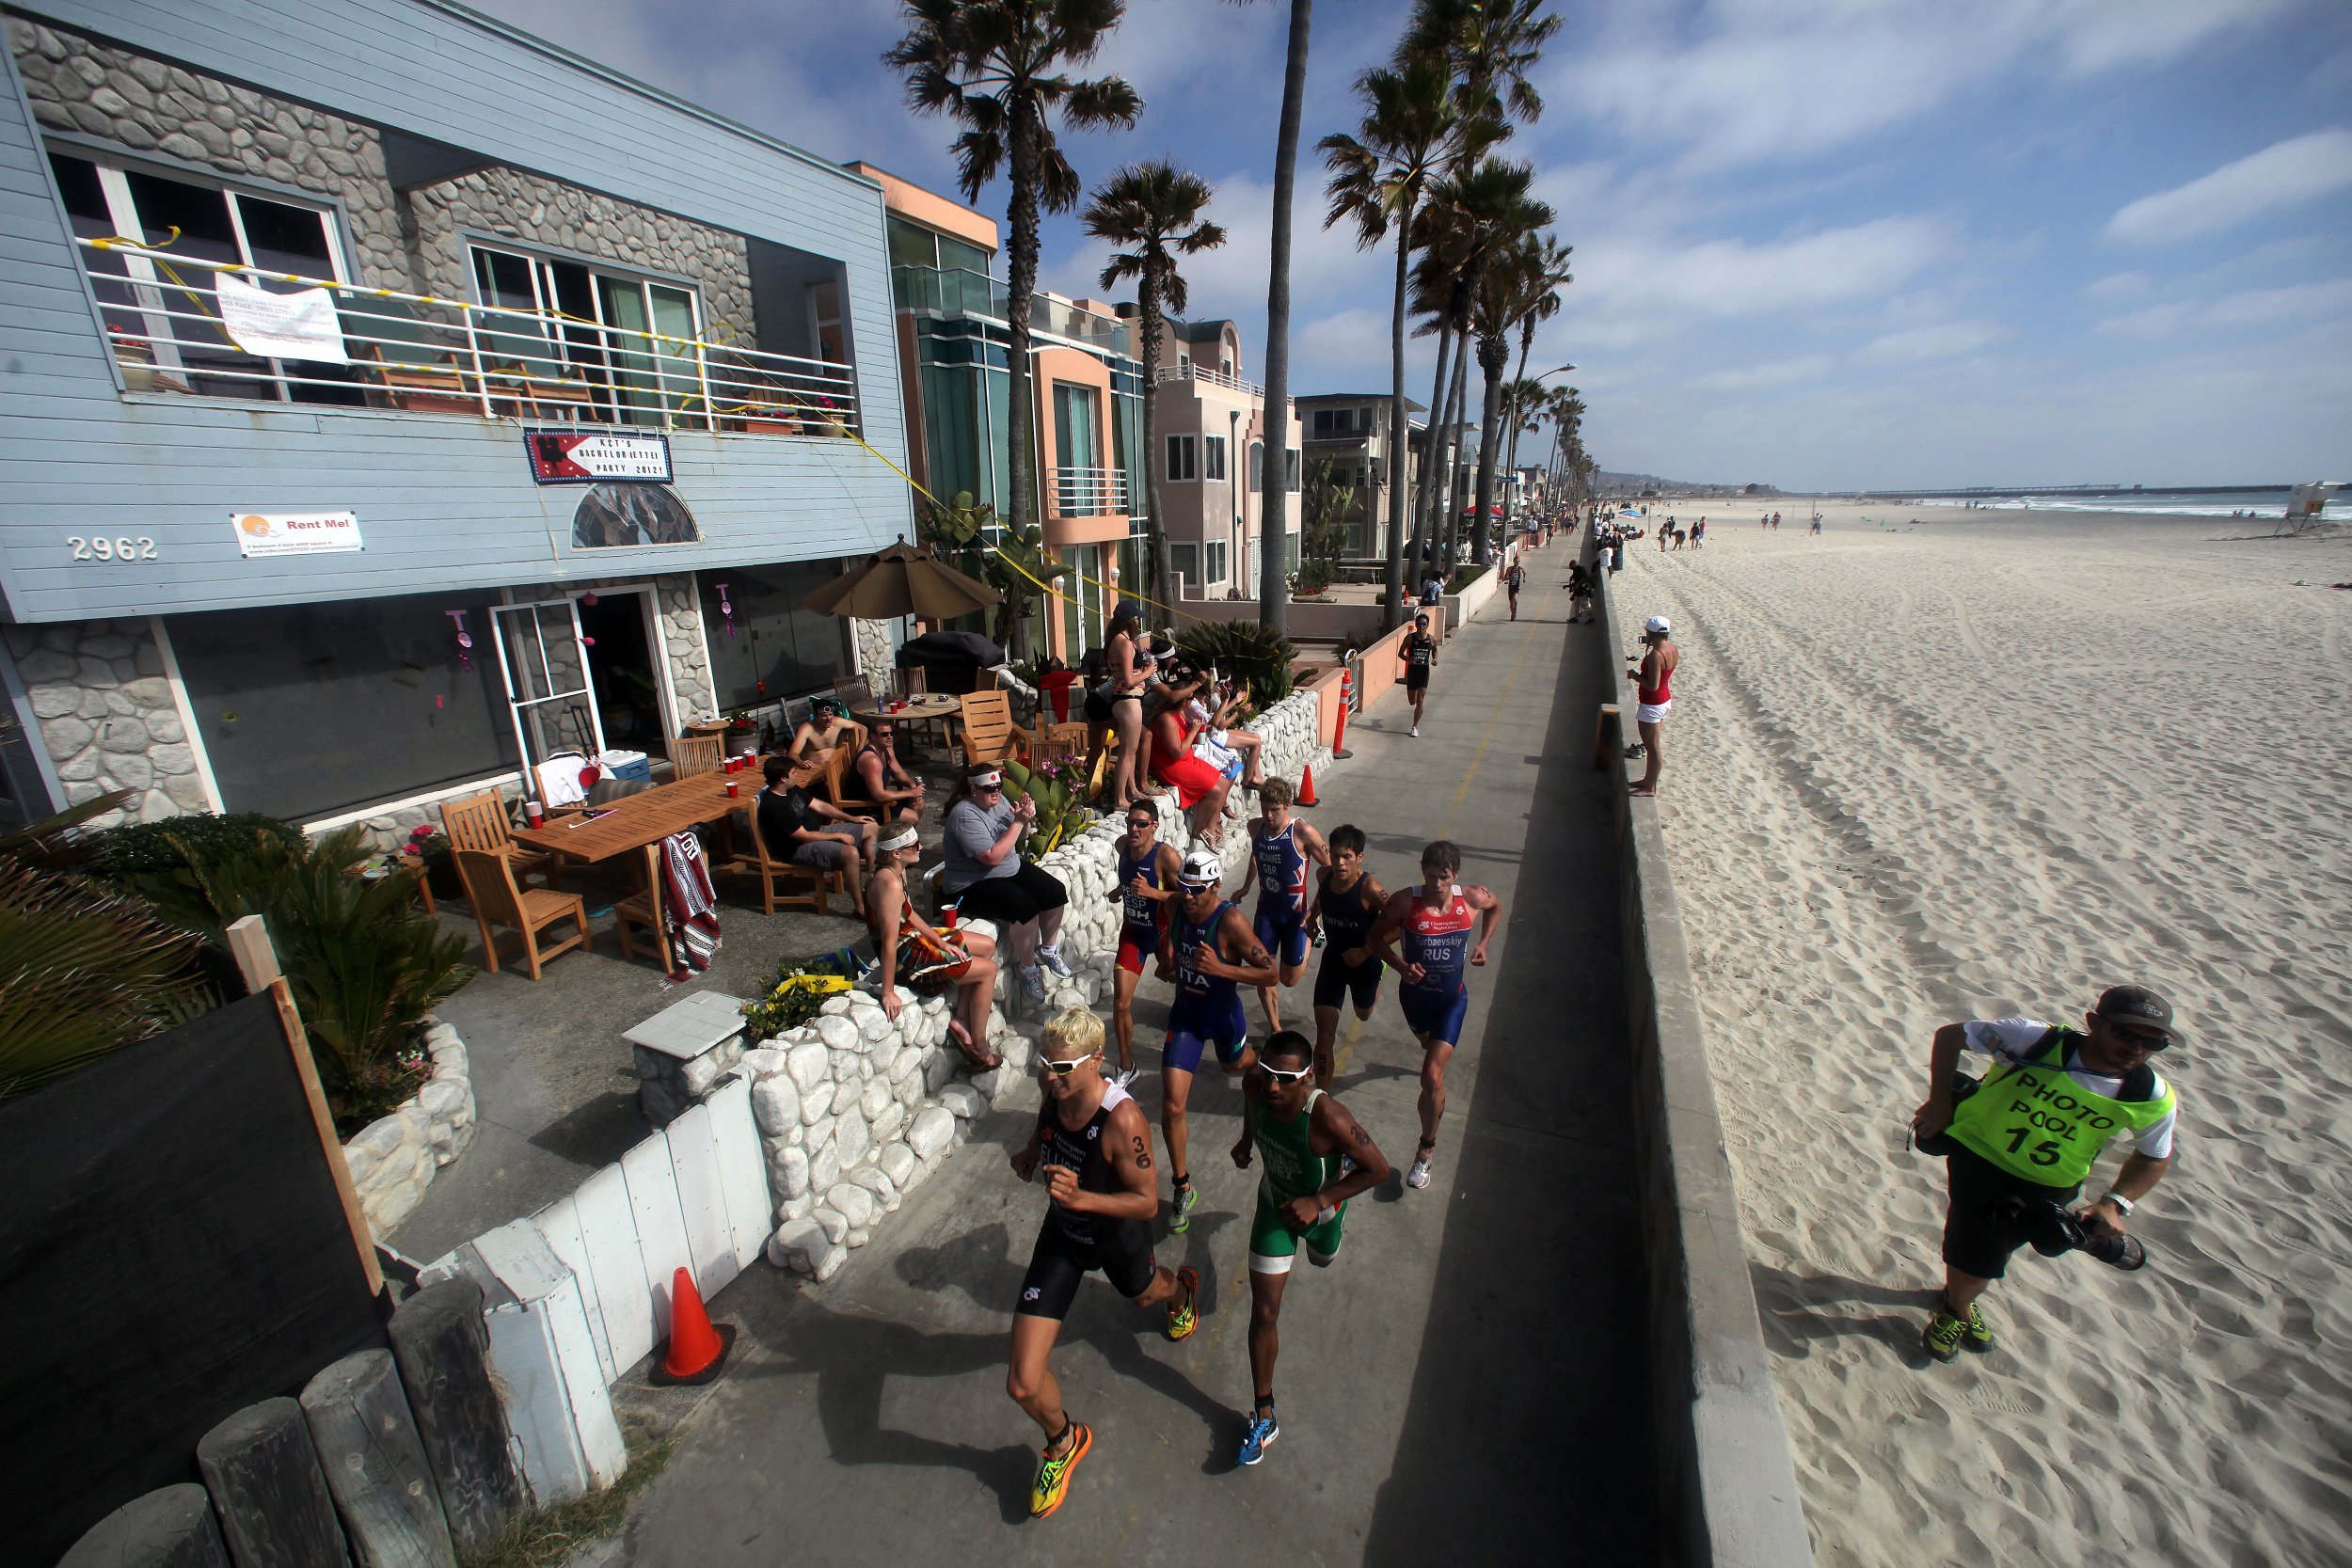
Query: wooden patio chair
[693, 755]
[989, 734]
[845, 787]
[1059, 741]
[642, 911]
[855, 692]
[490, 879]
[480, 822]
[914, 681]
[752, 859]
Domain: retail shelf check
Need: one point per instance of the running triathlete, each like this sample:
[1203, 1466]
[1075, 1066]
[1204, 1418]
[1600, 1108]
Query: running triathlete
[1348, 901]
[1096, 1148]
[1281, 848]
[1421, 655]
[1145, 888]
[1317, 1157]
[1433, 921]
[1513, 580]
[1207, 949]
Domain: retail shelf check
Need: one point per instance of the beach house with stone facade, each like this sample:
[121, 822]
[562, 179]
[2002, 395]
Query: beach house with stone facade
[390, 399]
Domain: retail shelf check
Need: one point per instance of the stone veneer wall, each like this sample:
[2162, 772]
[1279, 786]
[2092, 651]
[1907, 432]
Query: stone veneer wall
[394, 1158]
[107, 718]
[77, 84]
[877, 653]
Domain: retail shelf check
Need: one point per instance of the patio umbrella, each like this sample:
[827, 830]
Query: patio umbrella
[903, 580]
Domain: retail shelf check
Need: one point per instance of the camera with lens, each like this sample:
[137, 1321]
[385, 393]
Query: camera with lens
[2054, 1232]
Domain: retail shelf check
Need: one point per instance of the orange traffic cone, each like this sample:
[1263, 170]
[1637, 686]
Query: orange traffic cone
[1306, 786]
[698, 1351]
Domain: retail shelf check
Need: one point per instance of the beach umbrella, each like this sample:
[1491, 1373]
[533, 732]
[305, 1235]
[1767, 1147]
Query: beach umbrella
[903, 580]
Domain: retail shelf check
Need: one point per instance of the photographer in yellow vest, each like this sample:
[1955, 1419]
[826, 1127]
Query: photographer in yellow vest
[2020, 1143]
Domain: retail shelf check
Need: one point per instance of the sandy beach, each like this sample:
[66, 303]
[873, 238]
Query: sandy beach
[1984, 766]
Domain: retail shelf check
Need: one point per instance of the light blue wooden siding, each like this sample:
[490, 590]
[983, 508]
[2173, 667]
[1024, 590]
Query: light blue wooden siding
[442, 501]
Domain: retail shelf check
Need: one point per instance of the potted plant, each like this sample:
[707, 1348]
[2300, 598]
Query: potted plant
[742, 733]
[427, 850]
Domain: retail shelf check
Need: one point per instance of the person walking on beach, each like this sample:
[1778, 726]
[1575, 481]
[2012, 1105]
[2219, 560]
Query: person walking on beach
[1208, 949]
[1816, 522]
[1432, 922]
[1653, 690]
[1281, 849]
[1096, 1148]
[1698, 534]
[1581, 589]
[1421, 657]
[1145, 890]
[2019, 1144]
[1316, 1157]
[1348, 901]
[1512, 581]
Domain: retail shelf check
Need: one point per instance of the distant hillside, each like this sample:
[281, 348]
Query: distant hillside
[1607, 484]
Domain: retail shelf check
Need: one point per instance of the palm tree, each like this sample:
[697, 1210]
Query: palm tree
[1550, 274]
[1493, 45]
[1441, 292]
[1410, 126]
[998, 66]
[1154, 210]
[1274, 509]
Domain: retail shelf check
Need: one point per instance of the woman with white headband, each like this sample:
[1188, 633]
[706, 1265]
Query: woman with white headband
[926, 960]
[989, 880]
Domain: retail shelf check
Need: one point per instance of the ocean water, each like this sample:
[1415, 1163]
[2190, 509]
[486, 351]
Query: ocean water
[2160, 503]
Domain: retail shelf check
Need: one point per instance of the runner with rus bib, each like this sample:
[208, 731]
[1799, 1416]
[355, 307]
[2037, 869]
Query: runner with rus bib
[2019, 1144]
[1096, 1150]
[1281, 848]
[1348, 901]
[1208, 949]
[1315, 1158]
[1144, 891]
[1434, 923]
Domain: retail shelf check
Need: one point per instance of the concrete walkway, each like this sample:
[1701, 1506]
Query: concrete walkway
[1466, 1381]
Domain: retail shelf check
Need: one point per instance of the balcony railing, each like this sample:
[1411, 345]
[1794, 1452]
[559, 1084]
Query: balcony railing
[174, 327]
[1214, 378]
[1090, 492]
[961, 290]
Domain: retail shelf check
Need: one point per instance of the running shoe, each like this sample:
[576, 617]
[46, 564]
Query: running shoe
[1415, 732]
[1052, 1475]
[1051, 957]
[1032, 984]
[1185, 1196]
[1417, 1176]
[1977, 1335]
[1182, 1320]
[1264, 1430]
[1944, 1334]
[1126, 1076]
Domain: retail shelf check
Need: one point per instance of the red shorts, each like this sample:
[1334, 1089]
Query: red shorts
[1131, 957]
[1192, 777]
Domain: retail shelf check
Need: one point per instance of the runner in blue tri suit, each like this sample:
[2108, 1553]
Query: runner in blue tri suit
[1208, 949]
[1348, 901]
[1281, 848]
[1433, 921]
[1144, 890]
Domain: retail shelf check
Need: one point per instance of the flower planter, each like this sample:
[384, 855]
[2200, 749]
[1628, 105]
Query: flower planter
[394, 1158]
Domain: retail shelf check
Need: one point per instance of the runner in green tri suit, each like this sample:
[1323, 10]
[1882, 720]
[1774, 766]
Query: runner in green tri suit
[1316, 1158]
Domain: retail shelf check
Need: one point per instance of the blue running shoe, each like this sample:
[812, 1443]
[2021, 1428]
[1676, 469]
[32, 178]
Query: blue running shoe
[1264, 1430]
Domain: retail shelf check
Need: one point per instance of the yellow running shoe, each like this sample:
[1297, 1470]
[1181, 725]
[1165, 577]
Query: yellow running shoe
[1182, 1320]
[1052, 1475]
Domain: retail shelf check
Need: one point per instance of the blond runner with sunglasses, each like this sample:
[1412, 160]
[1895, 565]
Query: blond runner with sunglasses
[1096, 1148]
[1317, 1157]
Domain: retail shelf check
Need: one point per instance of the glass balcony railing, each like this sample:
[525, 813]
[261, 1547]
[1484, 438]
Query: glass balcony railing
[961, 290]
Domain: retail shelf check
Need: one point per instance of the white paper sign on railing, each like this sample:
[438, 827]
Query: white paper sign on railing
[299, 326]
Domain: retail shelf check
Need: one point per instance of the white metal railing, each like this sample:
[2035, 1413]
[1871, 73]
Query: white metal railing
[1214, 377]
[1090, 492]
[171, 331]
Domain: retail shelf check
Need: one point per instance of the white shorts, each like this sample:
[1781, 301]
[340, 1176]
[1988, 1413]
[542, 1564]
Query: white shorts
[1652, 713]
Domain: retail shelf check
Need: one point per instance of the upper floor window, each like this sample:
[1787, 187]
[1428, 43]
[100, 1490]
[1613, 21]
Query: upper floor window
[1182, 463]
[1257, 467]
[1290, 470]
[1212, 457]
[585, 343]
[166, 319]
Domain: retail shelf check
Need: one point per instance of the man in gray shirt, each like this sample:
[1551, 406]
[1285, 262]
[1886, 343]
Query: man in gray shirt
[987, 879]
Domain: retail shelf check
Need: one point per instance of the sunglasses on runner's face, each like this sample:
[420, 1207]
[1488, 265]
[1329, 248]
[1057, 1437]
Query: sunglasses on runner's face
[2150, 1041]
[1284, 1075]
[1063, 1070]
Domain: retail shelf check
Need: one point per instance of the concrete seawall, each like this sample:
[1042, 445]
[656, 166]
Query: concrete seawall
[1727, 1488]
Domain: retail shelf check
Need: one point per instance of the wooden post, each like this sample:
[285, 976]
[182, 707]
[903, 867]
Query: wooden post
[170, 1528]
[262, 1472]
[249, 943]
[1605, 740]
[442, 1347]
[375, 1466]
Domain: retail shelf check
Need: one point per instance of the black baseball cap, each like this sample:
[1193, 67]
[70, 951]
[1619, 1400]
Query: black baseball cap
[2134, 1004]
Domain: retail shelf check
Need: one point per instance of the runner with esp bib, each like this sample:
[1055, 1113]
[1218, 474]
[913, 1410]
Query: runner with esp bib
[1433, 924]
[1208, 950]
[1144, 890]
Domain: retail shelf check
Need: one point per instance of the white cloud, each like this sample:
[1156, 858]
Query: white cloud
[1735, 277]
[1942, 341]
[2285, 174]
[2291, 305]
[1777, 372]
[2118, 285]
[1354, 340]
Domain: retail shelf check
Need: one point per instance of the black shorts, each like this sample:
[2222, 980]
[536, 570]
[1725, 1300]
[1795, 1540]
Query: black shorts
[1337, 980]
[1978, 1240]
[1009, 900]
[1416, 680]
[1122, 1249]
[1098, 708]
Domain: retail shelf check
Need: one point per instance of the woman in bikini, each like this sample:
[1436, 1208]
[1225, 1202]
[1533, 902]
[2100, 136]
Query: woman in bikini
[1118, 702]
[927, 960]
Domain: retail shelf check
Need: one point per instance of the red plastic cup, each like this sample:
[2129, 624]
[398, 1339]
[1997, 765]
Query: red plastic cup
[735, 791]
[533, 815]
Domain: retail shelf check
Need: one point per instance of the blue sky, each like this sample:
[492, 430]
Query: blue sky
[1819, 242]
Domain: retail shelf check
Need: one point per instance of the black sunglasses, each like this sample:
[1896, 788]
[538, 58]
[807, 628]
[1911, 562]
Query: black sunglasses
[2146, 1041]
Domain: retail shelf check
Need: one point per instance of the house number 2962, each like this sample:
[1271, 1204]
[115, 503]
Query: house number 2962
[120, 548]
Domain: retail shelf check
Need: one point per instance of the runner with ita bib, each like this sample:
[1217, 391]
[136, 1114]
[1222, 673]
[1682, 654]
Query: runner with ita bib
[1144, 890]
[1434, 922]
[1281, 848]
[1348, 901]
[1207, 949]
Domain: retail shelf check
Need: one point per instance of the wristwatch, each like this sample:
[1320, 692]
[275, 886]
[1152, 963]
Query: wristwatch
[2122, 1204]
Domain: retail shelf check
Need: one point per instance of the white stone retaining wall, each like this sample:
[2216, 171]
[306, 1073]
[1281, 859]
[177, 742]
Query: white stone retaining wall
[394, 1158]
[107, 716]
